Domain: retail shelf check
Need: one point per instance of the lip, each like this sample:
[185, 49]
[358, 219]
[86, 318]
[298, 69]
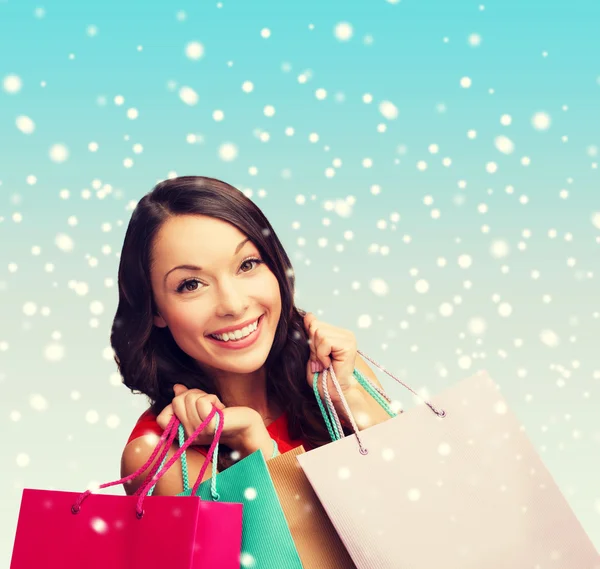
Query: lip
[239, 344]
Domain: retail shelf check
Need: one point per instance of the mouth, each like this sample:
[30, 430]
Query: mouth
[239, 338]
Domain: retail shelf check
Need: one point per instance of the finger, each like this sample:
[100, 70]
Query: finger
[313, 352]
[310, 323]
[204, 407]
[193, 416]
[308, 318]
[164, 417]
[179, 389]
[207, 401]
[313, 325]
[313, 367]
[216, 401]
[322, 348]
[179, 410]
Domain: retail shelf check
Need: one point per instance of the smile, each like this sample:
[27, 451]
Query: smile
[237, 334]
[239, 338]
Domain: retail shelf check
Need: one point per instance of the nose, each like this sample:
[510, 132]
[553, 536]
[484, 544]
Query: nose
[231, 299]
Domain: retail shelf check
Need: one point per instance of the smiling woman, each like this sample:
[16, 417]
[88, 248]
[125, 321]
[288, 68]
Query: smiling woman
[206, 316]
[224, 288]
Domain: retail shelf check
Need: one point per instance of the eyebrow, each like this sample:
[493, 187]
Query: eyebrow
[196, 268]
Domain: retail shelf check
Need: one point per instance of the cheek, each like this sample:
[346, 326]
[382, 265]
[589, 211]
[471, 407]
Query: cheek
[270, 294]
[189, 316]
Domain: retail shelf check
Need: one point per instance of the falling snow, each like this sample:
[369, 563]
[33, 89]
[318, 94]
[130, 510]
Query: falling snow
[451, 231]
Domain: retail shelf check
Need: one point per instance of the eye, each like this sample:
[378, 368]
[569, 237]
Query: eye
[250, 260]
[186, 283]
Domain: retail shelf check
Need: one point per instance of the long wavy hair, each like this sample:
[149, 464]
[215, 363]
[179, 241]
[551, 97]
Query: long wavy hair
[148, 358]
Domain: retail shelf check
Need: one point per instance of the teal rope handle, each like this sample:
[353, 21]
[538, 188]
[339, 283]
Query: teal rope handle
[275, 449]
[327, 412]
[213, 478]
[151, 491]
[333, 432]
[184, 467]
[370, 389]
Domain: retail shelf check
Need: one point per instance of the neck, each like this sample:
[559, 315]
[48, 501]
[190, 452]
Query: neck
[245, 390]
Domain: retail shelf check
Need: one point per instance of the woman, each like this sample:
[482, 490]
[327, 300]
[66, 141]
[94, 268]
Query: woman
[206, 316]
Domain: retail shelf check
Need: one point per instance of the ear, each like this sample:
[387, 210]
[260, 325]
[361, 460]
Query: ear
[159, 321]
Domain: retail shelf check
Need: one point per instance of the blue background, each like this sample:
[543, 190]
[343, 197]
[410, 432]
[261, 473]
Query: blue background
[535, 57]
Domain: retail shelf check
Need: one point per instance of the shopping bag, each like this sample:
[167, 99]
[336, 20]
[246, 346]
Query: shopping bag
[73, 530]
[455, 483]
[317, 542]
[266, 539]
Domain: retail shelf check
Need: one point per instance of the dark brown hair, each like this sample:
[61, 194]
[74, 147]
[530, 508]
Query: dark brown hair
[149, 359]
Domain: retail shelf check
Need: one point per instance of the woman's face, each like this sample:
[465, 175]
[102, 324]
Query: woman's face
[223, 284]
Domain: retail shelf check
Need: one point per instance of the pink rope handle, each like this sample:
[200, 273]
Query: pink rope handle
[211, 455]
[338, 388]
[165, 449]
[167, 435]
[149, 483]
[165, 442]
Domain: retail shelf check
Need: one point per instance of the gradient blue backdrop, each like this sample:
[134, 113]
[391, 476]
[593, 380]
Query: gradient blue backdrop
[64, 415]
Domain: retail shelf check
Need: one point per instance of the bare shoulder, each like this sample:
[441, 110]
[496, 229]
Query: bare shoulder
[137, 453]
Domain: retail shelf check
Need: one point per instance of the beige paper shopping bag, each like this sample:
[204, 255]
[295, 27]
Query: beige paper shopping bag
[455, 484]
[317, 542]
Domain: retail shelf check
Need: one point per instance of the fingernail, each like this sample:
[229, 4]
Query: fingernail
[313, 366]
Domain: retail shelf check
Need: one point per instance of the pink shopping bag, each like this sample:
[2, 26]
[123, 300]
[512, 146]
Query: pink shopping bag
[455, 483]
[71, 530]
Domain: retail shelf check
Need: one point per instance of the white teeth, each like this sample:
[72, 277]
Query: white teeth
[237, 334]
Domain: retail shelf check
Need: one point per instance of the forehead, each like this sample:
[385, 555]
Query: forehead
[194, 239]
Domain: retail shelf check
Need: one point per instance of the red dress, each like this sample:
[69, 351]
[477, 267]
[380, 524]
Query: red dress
[278, 430]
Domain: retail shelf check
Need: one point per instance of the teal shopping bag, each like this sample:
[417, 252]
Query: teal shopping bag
[266, 539]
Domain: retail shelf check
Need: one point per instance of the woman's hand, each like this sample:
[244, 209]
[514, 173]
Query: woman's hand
[337, 347]
[243, 429]
[331, 346]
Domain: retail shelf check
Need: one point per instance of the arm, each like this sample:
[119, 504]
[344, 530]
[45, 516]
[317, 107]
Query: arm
[334, 346]
[365, 410]
[253, 438]
[243, 431]
[138, 451]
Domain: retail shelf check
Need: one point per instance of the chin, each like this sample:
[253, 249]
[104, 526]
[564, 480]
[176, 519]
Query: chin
[248, 365]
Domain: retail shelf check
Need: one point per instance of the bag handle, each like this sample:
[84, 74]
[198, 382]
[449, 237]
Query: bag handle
[162, 457]
[151, 482]
[166, 439]
[184, 468]
[335, 431]
[370, 387]
[332, 410]
[440, 413]
[335, 420]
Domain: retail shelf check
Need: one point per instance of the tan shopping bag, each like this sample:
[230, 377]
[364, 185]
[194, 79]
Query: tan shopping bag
[317, 542]
[455, 484]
